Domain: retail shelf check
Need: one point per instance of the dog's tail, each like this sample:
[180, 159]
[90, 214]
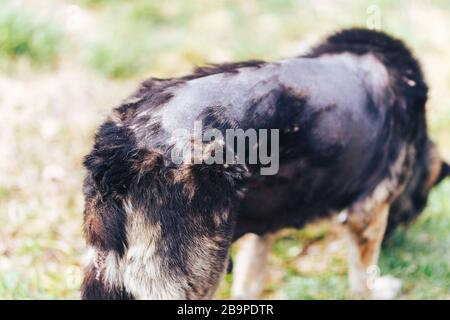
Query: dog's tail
[397, 57]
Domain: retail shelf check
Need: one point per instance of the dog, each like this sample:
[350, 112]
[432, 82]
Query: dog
[352, 140]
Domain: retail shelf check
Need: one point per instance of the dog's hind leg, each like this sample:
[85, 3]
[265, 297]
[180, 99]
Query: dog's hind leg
[365, 232]
[249, 269]
[98, 284]
[105, 234]
[159, 231]
[150, 244]
[182, 257]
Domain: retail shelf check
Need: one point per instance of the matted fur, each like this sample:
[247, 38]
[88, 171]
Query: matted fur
[353, 136]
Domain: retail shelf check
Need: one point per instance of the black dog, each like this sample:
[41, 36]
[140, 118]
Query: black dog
[352, 139]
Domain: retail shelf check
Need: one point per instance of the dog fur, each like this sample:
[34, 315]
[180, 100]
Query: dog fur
[353, 139]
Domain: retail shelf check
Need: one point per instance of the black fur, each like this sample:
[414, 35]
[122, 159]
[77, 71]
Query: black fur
[324, 168]
[230, 68]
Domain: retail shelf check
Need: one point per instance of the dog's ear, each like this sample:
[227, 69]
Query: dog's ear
[445, 172]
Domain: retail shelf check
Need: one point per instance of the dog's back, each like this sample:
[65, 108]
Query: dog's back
[333, 111]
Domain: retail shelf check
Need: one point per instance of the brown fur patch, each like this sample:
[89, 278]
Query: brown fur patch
[368, 230]
[185, 176]
[147, 161]
[124, 112]
[93, 227]
[434, 167]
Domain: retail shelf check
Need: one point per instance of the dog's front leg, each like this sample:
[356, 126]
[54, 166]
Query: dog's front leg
[250, 266]
[365, 231]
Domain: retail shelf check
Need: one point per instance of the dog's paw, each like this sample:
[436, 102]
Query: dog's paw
[386, 288]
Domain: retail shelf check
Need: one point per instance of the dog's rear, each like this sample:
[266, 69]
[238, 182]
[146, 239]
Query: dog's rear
[352, 137]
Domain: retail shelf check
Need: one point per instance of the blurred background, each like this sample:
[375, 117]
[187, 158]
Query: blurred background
[64, 64]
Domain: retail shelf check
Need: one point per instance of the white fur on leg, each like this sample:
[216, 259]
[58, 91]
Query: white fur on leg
[386, 288]
[249, 269]
[357, 273]
[363, 251]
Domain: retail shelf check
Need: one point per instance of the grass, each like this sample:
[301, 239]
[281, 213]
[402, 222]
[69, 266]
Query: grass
[23, 35]
[112, 60]
[421, 254]
[133, 35]
[138, 35]
[46, 131]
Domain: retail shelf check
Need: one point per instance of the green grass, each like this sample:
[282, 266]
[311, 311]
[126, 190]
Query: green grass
[137, 34]
[114, 61]
[137, 37]
[23, 35]
[420, 255]
[132, 35]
